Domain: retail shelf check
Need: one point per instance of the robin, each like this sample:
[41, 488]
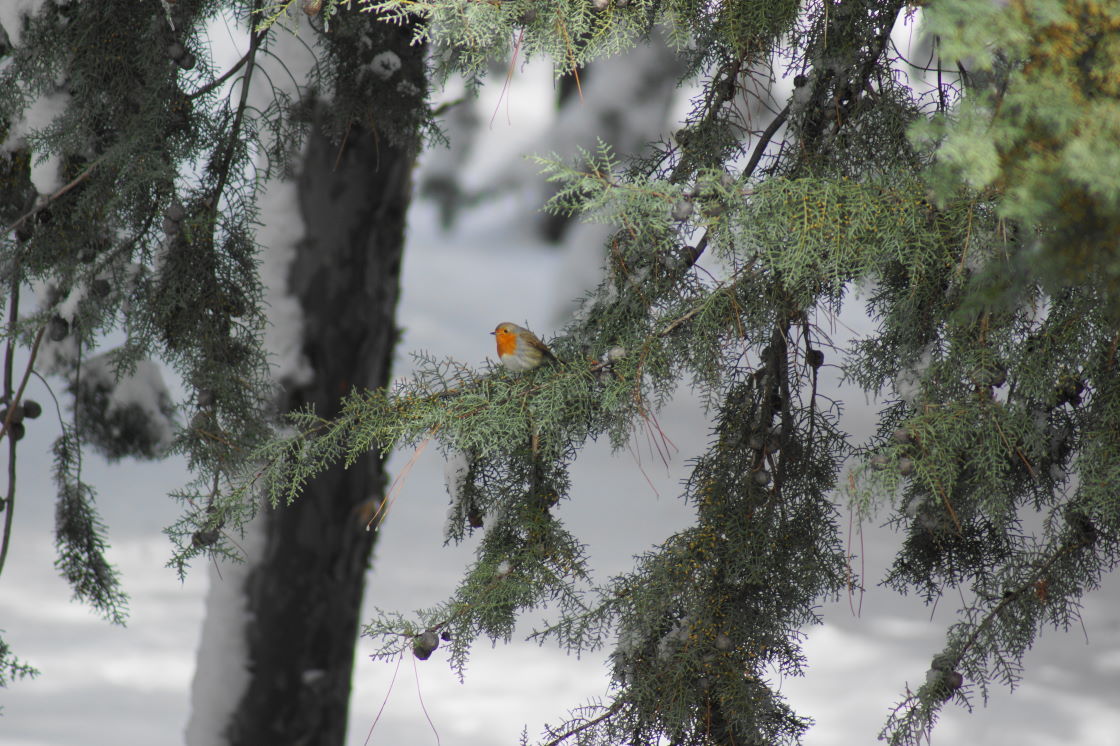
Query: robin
[519, 349]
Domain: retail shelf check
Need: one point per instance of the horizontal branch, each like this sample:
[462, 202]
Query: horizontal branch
[610, 712]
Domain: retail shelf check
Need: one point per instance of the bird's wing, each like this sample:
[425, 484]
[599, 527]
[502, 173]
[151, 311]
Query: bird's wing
[533, 341]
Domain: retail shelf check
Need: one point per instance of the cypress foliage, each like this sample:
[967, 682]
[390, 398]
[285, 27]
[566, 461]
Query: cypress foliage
[983, 216]
[128, 192]
[987, 241]
[150, 234]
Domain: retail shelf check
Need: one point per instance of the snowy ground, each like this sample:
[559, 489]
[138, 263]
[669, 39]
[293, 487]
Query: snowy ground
[104, 686]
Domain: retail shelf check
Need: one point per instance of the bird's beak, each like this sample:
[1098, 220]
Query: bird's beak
[493, 333]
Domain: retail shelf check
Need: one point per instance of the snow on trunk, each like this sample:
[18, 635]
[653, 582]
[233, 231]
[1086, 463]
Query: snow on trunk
[41, 113]
[222, 673]
[46, 174]
[12, 16]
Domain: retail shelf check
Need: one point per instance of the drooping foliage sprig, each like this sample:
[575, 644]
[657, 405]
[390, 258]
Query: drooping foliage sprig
[149, 233]
[129, 183]
[976, 210]
[977, 207]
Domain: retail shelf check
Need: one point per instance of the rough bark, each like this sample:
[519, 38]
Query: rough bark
[306, 592]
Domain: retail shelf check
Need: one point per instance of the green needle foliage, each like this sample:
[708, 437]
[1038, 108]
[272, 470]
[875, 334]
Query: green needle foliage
[129, 179]
[980, 210]
[981, 213]
[151, 236]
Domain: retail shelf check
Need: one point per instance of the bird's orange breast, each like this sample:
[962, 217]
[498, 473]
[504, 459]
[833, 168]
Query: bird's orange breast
[507, 342]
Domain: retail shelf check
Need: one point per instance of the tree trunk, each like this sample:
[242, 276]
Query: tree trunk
[305, 593]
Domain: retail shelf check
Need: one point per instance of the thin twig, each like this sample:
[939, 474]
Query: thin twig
[420, 696]
[756, 156]
[227, 157]
[672, 325]
[224, 77]
[385, 701]
[1032, 579]
[50, 391]
[13, 316]
[10, 500]
[611, 712]
[764, 140]
[342, 146]
[509, 77]
[9, 353]
[55, 196]
[448, 105]
[13, 401]
[22, 384]
[949, 507]
[398, 484]
[680, 320]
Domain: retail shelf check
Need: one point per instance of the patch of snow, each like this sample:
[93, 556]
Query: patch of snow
[280, 233]
[55, 358]
[385, 64]
[68, 308]
[407, 88]
[221, 673]
[45, 168]
[801, 96]
[282, 227]
[12, 14]
[143, 389]
[614, 354]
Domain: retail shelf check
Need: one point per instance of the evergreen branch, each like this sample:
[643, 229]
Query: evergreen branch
[1028, 587]
[276, 10]
[226, 75]
[706, 613]
[7, 504]
[223, 168]
[610, 712]
[11, 668]
[571, 628]
[865, 29]
[717, 94]
[695, 252]
[763, 141]
[56, 195]
[921, 707]
[79, 536]
[14, 401]
[701, 307]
